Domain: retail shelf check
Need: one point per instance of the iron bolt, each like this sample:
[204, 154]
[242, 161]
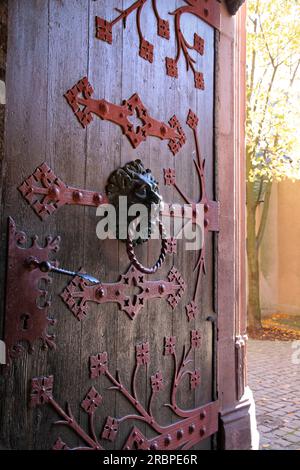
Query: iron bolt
[191, 428]
[162, 288]
[97, 198]
[100, 292]
[54, 192]
[77, 196]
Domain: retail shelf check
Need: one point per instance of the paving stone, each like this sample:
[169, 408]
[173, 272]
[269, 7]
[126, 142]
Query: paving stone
[275, 383]
[293, 438]
[264, 429]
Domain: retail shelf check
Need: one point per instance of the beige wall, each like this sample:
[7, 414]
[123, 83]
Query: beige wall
[280, 251]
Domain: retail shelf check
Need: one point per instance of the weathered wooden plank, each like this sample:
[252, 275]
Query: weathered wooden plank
[101, 257]
[26, 125]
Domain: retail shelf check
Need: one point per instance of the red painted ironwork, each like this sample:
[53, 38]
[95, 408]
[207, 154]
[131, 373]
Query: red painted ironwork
[79, 292]
[42, 393]
[193, 425]
[45, 193]
[192, 310]
[83, 106]
[195, 8]
[211, 208]
[104, 28]
[27, 301]
[165, 243]
[202, 9]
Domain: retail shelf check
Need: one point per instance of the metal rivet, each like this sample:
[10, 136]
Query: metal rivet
[100, 293]
[180, 434]
[202, 431]
[161, 288]
[191, 428]
[77, 196]
[97, 198]
[163, 130]
[103, 108]
[54, 192]
[202, 414]
[168, 440]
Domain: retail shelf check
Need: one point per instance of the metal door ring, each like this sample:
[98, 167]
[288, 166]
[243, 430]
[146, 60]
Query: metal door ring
[162, 256]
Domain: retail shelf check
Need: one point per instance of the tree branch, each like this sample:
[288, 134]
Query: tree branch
[264, 216]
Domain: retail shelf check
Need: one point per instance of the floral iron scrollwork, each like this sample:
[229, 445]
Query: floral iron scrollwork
[146, 49]
[193, 425]
[202, 9]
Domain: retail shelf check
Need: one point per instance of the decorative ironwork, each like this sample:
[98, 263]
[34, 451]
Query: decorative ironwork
[45, 193]
[183, 47]
[146, 49]
[192, 310]
[193, 425]
[83, 106]
[79, 292]
[162, 256]
[211, 208]
[202, 9]
[42, 393]
[138, 185]
[27, 302]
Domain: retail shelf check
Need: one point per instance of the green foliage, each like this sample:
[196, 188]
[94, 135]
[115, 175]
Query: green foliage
[273, 82]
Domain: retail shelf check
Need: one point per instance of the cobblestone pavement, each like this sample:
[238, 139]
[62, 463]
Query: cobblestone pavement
[274, 377]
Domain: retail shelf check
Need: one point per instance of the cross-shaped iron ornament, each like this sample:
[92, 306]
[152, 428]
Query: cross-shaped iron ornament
[45, 193]
[83, 106]
[79, 293]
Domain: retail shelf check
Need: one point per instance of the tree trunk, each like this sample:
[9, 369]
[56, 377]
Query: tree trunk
[254, 312]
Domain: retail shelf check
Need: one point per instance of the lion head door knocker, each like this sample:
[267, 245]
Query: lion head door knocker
[134, 185]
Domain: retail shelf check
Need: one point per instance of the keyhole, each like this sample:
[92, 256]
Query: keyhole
[25, 321]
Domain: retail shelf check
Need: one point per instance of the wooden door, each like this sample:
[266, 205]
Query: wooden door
[51, 47]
